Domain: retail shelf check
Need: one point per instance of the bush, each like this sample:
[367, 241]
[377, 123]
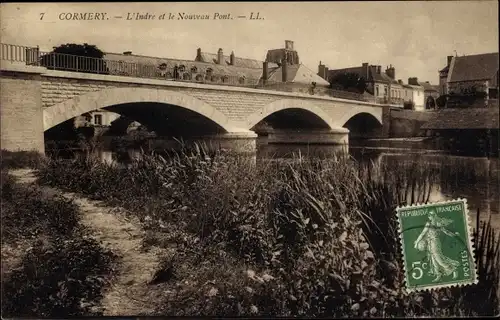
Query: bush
[61, 279]
[63, 271]
[21, 159]
[28, 213]
[323, 231]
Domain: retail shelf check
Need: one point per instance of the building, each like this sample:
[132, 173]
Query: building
[282, 68]
[414, 92]
[96, 118]
[382, 85]
[472, 81]
[443, 76]
[431, 93]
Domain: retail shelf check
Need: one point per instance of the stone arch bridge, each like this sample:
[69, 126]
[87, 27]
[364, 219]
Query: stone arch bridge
[35, 100]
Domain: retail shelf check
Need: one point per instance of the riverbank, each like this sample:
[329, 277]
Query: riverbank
[273, 241]
[51, 266]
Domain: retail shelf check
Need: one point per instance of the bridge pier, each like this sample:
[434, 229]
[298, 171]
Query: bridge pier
[21, 113]
[336, 136]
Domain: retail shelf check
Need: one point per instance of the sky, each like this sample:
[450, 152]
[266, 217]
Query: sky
[415, 37]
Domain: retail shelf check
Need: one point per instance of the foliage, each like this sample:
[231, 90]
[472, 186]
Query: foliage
[63, 271]
[60, 279]
[430, 103]
[21, 159]
[76, 57]
[441, 101]
[313, 238]
[349, 81]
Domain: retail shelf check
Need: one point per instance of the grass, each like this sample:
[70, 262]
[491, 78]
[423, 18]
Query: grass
[20, 159]
[310, 238]
[60, 271]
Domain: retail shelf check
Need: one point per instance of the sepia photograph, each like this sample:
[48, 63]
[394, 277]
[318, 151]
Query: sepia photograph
[333, 159]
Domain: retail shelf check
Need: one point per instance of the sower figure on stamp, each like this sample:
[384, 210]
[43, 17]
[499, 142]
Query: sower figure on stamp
[428, 241]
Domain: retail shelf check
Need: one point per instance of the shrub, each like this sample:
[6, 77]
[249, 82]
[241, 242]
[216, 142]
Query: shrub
[324, 231]
[21, 159]
[61, 279]
[63, 271]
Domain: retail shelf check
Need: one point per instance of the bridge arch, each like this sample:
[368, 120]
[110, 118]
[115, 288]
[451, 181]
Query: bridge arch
[363, 125]
[375, 113]
[78, 105]
[285, 104]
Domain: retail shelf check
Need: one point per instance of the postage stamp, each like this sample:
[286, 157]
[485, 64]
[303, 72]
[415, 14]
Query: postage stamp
[436, 241]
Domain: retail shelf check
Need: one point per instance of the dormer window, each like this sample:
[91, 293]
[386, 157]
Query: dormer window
[225, 79]
[182, 68]
[241, 80]
[194, 69]
[162, 66]
[209, 71]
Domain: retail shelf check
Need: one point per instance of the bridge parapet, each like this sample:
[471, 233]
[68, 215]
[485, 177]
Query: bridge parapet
[32, 56]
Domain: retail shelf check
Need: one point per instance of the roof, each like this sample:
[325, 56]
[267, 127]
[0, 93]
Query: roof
[429, 87]
[297, 74]
[201, 67]
[373, 75]
[238, 62]
[473, 67]
[412, 86]
[467, 118]
[445, 69]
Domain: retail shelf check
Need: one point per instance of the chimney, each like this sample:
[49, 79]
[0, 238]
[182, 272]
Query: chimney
[391, 72]
[449, 60]
[400, 81]
[265, 71]
[127, 53]
[284, 68]
[198, 54]
[322, 70]
[379, 69]
[365, 72]
[231, 58]
[413, 81]
[289, 45]
[220, 56]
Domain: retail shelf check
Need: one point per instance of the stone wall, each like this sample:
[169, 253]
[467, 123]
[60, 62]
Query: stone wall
[21, 112]
[407, 123]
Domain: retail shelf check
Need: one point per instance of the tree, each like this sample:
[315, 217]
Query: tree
[76, 57]
[430, 103]
[441, 101]
[349, 81]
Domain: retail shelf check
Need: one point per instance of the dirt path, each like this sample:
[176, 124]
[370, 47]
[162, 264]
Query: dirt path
[129, 293]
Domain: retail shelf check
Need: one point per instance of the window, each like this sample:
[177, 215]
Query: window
[376, 91]
[98, 119]
[194, 69]
[385, 91]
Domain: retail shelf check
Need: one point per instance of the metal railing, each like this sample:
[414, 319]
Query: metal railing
[65, 62]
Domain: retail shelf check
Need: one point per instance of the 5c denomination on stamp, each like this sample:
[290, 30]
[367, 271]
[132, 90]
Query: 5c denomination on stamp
[436, 241]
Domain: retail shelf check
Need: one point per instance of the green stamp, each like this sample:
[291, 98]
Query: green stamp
[437, 248]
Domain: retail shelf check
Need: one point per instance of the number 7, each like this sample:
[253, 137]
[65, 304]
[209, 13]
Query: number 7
[41, 15]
